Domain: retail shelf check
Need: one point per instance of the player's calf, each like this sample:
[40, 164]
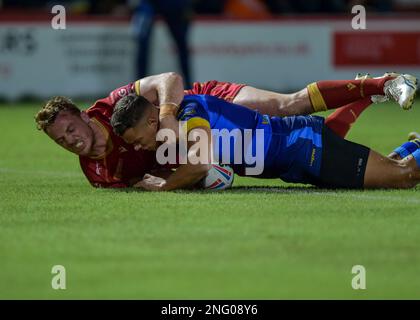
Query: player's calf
[411, 175]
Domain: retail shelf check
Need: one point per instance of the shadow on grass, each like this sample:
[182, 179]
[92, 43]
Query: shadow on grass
[249, 190]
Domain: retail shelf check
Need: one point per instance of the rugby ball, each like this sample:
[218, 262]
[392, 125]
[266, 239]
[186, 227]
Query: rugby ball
[219, 177]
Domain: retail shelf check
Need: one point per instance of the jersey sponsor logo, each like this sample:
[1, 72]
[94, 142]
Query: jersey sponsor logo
[122, 92]
[265, 120]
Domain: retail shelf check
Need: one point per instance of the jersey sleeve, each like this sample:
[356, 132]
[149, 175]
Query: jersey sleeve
[106, 105]
[117, 94]
[223, 90]
[193, 115]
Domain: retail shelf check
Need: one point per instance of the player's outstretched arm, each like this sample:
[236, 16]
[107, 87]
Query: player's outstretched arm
[187, 175]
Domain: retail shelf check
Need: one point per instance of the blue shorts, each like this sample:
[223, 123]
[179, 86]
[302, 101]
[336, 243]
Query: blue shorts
[295, 151]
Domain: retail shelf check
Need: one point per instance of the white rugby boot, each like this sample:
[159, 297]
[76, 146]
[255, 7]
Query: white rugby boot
[413, 136]
[402, 89]
[377, 98]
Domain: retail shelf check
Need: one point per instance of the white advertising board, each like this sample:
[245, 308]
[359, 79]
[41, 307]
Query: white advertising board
[92, 58]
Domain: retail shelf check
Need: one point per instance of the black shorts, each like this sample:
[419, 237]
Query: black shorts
[343, 163]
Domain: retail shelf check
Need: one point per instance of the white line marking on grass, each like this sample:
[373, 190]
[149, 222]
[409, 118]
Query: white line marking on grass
[58, 174]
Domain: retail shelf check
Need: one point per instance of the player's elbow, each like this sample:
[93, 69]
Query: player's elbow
[173, 77]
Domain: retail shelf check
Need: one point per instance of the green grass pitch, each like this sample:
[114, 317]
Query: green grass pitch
[261, 240]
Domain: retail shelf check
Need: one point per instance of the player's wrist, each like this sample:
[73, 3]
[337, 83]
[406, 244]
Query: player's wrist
[168, 109]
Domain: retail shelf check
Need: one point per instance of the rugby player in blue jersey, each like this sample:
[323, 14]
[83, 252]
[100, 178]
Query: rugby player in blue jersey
[298, 149]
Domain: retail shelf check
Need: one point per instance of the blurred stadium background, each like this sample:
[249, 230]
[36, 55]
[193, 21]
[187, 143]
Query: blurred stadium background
[262, 239]
[280, 45]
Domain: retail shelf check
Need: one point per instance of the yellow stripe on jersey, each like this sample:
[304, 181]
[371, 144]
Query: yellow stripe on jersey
[194, 123]
[316, 98]
[137, 87]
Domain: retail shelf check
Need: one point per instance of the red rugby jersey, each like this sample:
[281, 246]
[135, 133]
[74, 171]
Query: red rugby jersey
[223, 90]
[120, 163]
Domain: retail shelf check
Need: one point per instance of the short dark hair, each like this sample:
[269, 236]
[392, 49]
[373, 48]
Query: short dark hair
[127, 112]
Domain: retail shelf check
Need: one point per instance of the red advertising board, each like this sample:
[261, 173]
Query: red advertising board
[376, 48]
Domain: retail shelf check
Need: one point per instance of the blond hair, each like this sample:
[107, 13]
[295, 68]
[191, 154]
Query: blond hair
[47, 115]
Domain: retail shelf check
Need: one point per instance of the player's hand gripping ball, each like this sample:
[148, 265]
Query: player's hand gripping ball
[219, 177]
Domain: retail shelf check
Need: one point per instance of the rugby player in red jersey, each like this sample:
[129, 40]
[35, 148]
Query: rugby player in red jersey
[107, 161]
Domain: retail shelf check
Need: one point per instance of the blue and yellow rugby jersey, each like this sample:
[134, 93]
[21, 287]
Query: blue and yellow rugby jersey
[292, 146]
[248, 146]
